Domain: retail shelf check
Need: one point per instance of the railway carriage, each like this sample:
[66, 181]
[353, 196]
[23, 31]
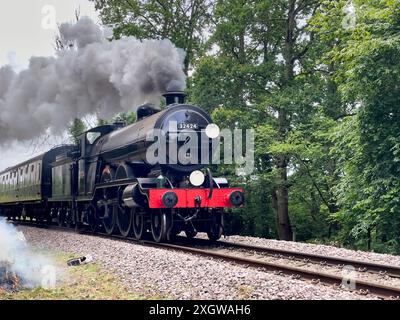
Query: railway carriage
[29, 184]
[107, 182]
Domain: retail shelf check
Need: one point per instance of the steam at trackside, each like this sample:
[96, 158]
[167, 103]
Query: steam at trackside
[17, 257]
[95, 76]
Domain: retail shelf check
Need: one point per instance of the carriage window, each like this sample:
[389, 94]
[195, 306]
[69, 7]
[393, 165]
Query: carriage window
[92, 136]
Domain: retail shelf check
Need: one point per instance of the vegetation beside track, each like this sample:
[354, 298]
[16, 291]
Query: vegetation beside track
[84, 282]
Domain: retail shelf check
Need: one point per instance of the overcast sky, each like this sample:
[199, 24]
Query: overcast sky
[27, 29]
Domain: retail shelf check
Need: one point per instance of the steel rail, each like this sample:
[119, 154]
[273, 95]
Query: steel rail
[362, 266]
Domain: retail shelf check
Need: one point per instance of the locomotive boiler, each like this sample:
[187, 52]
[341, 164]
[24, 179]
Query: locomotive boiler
[148, 178]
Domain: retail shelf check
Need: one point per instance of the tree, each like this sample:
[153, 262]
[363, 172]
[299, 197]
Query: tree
[75, 130]
[184, 22]
[127, 118]
[367, 143]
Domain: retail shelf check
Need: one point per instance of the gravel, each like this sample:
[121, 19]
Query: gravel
[154, 272]
[317, 249]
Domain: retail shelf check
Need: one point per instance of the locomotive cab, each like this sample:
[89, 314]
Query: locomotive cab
[87, 163]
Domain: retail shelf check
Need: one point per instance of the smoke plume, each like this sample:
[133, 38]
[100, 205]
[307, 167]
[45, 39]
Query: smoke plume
[18, 258]
[93, 76]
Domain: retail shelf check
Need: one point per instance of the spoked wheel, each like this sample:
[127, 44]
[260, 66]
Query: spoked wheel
[160, 225]
[48, 220]
[39, 218]
[109, 221]
[216, 227]
[124, 221]
[68, 219]
[93, 219]
[138, 224]
[78, 220]
[60, 217]
[108, 212]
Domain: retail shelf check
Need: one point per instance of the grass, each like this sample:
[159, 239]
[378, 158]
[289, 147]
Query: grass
[85, 282]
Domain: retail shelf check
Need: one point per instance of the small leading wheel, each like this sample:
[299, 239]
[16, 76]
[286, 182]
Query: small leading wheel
[60, 217]
[124, 221]
[160, 225]
[216, 227]
[138, 223]
[109, 221]
[69, 219]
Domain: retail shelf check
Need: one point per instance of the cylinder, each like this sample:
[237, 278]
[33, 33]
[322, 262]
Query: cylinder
[132, 197]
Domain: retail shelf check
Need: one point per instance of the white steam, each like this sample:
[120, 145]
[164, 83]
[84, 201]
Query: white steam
[18, 257]
[94, 76]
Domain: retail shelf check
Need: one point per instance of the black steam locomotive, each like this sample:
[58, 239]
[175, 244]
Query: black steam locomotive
[107, 183]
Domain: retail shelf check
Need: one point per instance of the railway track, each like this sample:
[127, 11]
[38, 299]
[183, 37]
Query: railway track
[207, 249]
[360, 266]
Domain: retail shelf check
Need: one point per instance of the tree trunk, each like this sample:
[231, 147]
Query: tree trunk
[282, 191]
[282, 203]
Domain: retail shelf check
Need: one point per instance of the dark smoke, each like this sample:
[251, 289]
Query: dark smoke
[95, 76]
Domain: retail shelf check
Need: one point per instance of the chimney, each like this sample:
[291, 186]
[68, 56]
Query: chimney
[175, 97]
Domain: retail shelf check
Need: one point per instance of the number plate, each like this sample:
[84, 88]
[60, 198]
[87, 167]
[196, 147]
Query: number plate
[192, 126]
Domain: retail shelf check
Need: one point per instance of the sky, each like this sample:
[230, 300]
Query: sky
[28, 28]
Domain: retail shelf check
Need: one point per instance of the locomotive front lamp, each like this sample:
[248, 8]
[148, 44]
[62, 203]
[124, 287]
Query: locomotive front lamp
[197, 178]
[212, 131]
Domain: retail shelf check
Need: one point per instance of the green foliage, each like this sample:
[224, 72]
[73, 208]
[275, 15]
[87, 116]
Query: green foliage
[366, 145]
[257, 218]
[76, 128]
[127, 118]
[102, 122]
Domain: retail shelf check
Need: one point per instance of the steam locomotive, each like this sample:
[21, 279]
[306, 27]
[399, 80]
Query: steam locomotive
[107, 183]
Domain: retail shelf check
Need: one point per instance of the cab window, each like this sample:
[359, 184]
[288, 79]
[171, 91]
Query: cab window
[92, 136]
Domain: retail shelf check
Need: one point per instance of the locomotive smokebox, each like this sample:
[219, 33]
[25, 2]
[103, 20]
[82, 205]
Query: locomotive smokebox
[175, 97]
